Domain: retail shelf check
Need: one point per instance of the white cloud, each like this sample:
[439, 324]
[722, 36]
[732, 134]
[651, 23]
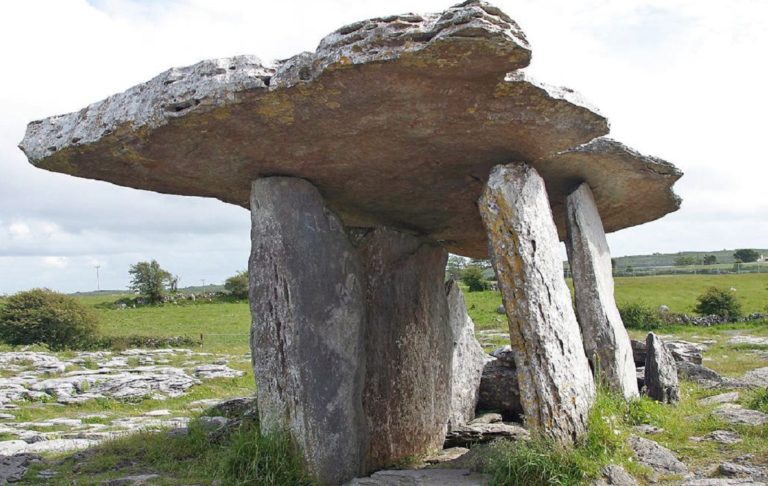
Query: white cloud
[55, 262]
[19, 230]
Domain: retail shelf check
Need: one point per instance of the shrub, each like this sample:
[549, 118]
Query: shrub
[42, 316]
[237, 285]
[472, 276]
[719, 302]
[638, 315]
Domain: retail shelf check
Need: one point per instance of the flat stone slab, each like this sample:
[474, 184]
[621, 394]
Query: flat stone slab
[660, 459]
[423, 477]
[738, 415]
[397, 121]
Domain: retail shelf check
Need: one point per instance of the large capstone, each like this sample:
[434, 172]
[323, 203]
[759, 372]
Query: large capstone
[307, 333]
[606, 341]
[441, 95]
[409, 345]
[556, 385]
[468, 359]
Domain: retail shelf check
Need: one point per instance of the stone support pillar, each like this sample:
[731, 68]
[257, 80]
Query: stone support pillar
[350, 339]
[408, 346]
[308, 327]
[606, 341]
[556, 385]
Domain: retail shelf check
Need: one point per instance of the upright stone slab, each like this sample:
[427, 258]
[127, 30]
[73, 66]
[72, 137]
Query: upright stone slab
[556, 385]
[307, 333]
[606, 341]
[468, 359]
[660, 371]
[408, 345]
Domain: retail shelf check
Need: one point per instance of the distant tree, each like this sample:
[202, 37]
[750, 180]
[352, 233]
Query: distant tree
[237, 285]
[42, 316]
[710, 259]
[746, 255]
[472, 276]
[684, 261]
[148, 279]
[720, 302]
[454, 267]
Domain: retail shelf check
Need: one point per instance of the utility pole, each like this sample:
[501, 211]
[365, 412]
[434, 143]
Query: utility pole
[203, 281]
[98, 283]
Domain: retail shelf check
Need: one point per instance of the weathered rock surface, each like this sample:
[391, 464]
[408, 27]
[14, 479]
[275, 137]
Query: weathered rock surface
[423, 477]
[723, 482]
[720, 436]
[660, 371]
[382, 88]
[556, 386]
[606, 341]
[729, 397]
[615, 475]
[13, 467]
[757, 377]
[134, 480]
[682, 351]
[467, 362]
[467, 435]
[409, 345]
[209, 371]
[499, 390]
[657, 457]
[307, 334]
[738, 415]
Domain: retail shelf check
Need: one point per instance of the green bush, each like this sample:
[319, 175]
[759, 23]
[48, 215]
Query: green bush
[237, 285]
[472, 276]
[720, 302]
[42, 316]
[638, 315]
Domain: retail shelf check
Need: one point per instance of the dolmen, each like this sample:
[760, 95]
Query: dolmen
[363, 164]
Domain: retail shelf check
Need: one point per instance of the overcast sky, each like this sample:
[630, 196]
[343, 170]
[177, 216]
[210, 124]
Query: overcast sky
[682, 80]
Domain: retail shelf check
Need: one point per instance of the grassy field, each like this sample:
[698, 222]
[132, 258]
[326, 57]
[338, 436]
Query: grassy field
[678, 292]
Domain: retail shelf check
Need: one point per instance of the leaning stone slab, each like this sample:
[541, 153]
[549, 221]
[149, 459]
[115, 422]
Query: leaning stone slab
[606, 341]
[467, 361]
[660, 371]
[307, 328]
[556, 386]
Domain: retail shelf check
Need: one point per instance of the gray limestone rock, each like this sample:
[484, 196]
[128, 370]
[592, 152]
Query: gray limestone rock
[409, 345]
[468, 359]
[207, 372]
[657, 457]
[606, 341]
[738, 415]
[757, 377]
[467, 435]
[721, 436]
[423, 477]
[307, 333]
[556, 385]
[615, 475]
[366, 82]
[729, 397]
[233, 408]
[14, 467]
[685, 351]
[732, 470]
[134, 480]
[723, 482]
[660, 371]
[499, 390]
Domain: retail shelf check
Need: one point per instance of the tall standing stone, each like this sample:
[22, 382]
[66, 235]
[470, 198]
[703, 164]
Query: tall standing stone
[606, 341]
[408, 345]
[468, 359]
[660, 371]
[307, 333]
[556, 385]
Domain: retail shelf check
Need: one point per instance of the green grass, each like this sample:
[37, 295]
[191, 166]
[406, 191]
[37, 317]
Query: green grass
[678, 292]
[232, 319]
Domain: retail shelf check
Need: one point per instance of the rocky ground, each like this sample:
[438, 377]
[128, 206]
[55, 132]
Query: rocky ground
[54, 405]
